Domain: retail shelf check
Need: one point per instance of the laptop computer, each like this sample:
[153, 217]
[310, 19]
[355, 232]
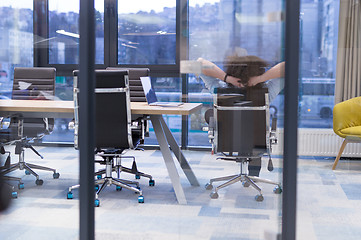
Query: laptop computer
[151, 97]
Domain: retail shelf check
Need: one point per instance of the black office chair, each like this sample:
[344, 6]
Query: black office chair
[35, 83]
[113, 133]
[136, 95]
[242, 134]
[136, 89]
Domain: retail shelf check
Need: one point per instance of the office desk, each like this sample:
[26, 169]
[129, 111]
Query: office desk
[37, 108]
[65, 109]
[165, 138]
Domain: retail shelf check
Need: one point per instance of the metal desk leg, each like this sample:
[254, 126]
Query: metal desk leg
[179, 154]
[168, 159]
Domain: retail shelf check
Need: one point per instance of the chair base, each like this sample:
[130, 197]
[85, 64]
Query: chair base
[245, 180]
[109, 180]
[119, 168]
[28, 167]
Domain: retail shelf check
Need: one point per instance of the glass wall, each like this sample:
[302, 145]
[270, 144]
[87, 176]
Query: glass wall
[219, 29]
[64, 32]
[168, 89]
[16, 41]
[216, 29]
[318, 33]
[255, 28]
[63, 50]
[147, 36]
[147, 32]
[239, 39]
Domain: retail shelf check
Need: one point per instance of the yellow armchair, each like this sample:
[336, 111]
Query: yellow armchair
[347, 123]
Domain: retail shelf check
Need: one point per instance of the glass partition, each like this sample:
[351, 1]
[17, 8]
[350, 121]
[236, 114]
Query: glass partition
[318, 49]
[233, 48]
[64, 32]
[318, 144]
[167, 89]
[16, 41]
[146, 32]
[232, 28]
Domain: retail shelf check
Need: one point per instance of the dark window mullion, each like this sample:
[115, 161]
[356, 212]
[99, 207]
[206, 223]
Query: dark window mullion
[40, 32]
[113, 33]
[182, 48]
[110, 32]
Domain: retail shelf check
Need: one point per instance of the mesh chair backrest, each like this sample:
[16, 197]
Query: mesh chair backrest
[136, 89]
[34, 83]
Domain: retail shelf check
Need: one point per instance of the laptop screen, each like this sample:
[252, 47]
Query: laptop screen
[148, 90]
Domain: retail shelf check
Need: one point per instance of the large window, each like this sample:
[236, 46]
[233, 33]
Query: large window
[226, 27]
[16, 41]
[219, 29]
[144, 33]
[64, 32]
[318, 29]
[147, 32]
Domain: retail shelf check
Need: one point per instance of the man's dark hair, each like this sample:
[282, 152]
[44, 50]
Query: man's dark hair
[245, 67]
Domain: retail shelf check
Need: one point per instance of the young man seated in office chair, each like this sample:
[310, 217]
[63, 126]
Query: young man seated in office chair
[244, 72]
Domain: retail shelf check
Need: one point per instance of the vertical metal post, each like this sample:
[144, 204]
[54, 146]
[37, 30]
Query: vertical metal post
[40, 29]
[291, 120]
[86, 118]
[182, 54]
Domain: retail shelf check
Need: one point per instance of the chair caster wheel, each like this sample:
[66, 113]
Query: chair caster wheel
[118, 188]
[246, 184]
[96, 187]
[151, 182]
[14, 194]
[140, 199]
[214, 195]
[56, 175]
[259, 198]
[21, 186]
[27, 172]
[96, 203]
[99, 176]
[277, 190]
[39, 182]
[209, 186]
[137, 176]
[69, 195]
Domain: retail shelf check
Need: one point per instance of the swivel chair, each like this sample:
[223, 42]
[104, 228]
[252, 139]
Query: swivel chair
[35, 83]
[136, 95]
[242, 134]
[347, 123]
[135, 85]
[113, 132]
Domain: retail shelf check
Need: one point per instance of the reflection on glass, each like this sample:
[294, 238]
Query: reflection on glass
[64, 32]
[146, 32]
[240, 47]
[16, 41]
[168, 89]
[319, 30]
[64, 92]
[256, 28]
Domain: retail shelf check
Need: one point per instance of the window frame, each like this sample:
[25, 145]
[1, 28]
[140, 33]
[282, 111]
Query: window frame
[41, 29]
[41, 55]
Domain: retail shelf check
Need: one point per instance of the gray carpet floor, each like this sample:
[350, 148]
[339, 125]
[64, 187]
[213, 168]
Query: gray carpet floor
[327, 202]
